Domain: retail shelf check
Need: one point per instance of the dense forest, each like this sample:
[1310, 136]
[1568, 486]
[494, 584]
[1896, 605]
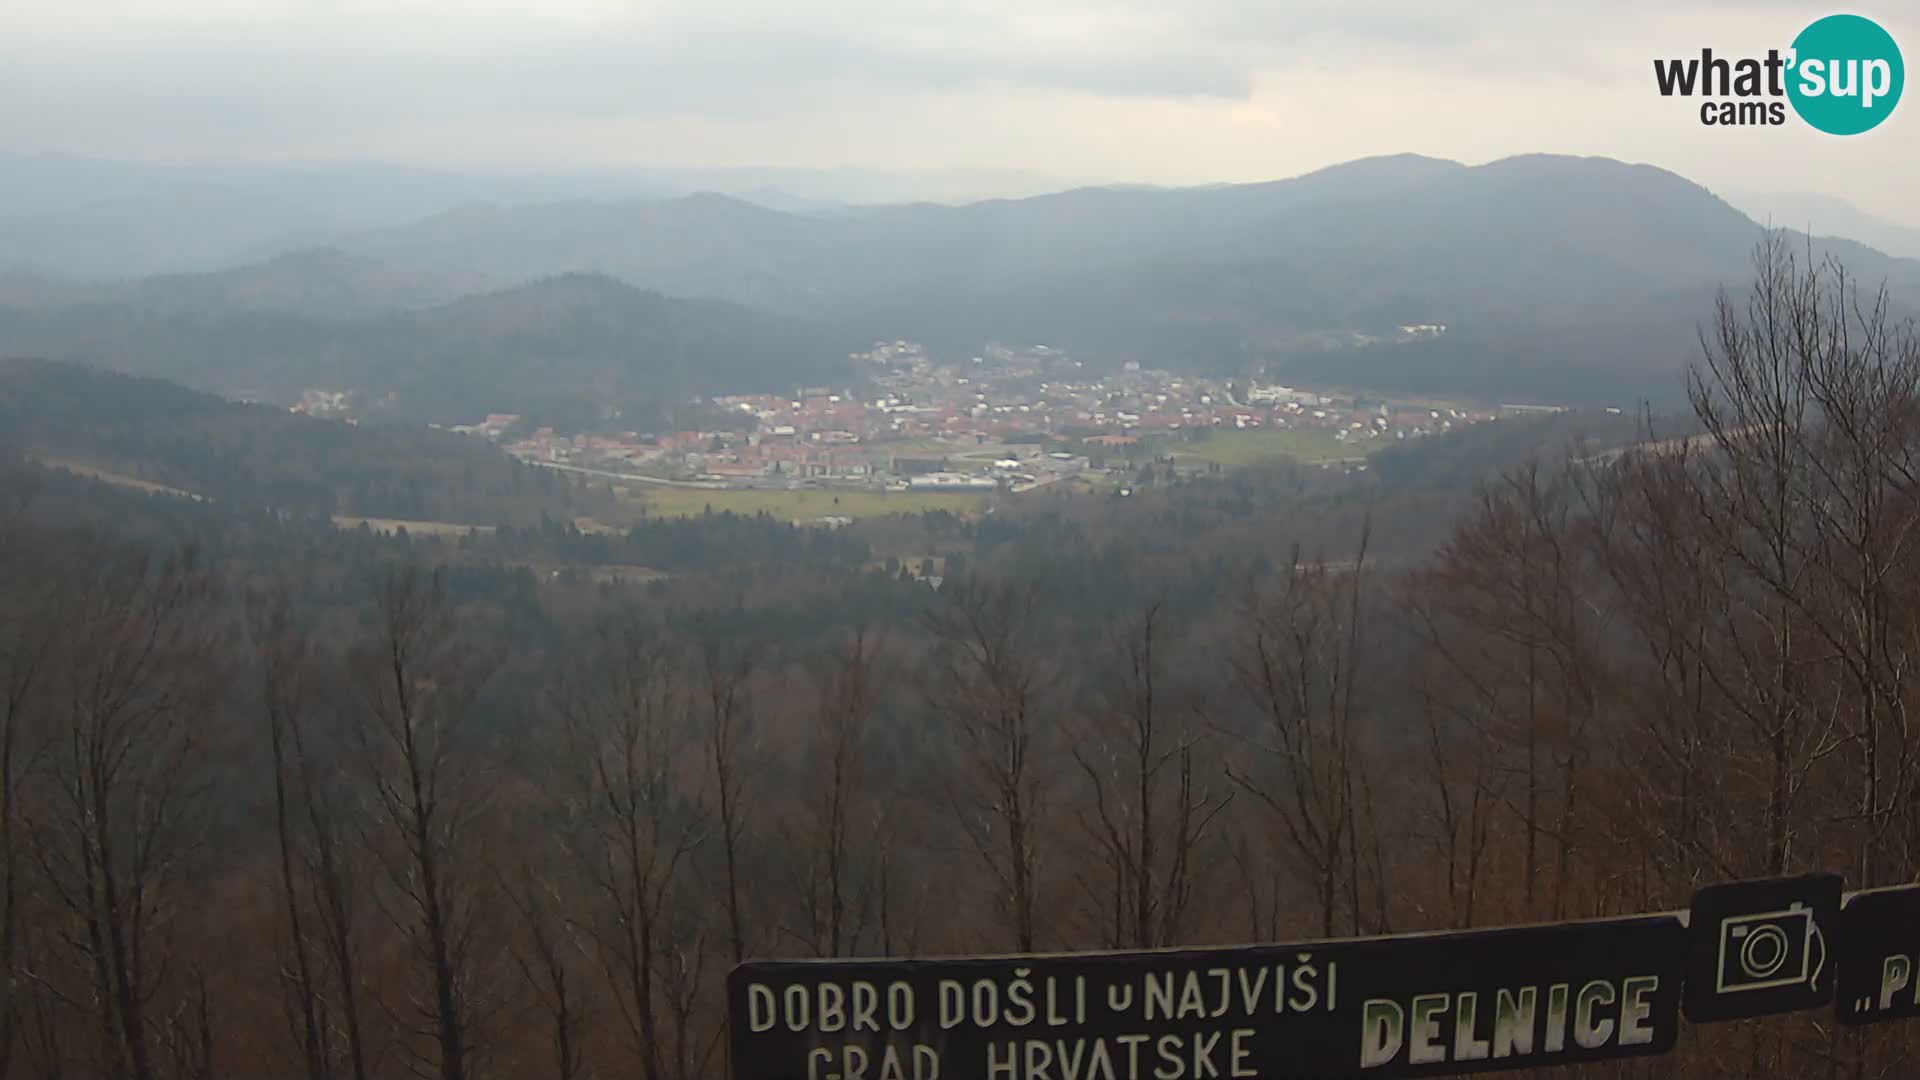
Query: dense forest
[283, 800]
[163, 435]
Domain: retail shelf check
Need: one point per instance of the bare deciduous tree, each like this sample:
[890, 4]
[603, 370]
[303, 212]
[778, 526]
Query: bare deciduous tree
[986, 682]
[726, 671]
[30, 623]
[626, 726]
[423, 762]
[1297, 669]
[1151, 807]
[833, 892]
[125, 780]
[281, 656]
[548, 956]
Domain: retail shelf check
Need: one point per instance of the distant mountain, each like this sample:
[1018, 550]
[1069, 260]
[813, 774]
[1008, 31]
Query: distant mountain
[1563, 277]
[1575, 272]
[704, 245]
[776, 199]
[321, 282]
[1523, 242]
[159, 229]
[91, 218]
[1576, 218]
[816, 188]
[570, 350]
[64, 187]
[317, 282]
[720, 246]
[582, 348]
[1824, 215]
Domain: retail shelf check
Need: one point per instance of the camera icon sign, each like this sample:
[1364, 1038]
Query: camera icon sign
[1770, 949]
[1761, 946]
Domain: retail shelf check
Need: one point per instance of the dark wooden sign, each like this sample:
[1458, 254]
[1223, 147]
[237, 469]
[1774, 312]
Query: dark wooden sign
[1415, 1005]
[1877, 948]
[1760, 947]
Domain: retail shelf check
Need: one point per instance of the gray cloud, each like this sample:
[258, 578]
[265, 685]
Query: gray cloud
[683, 60]
[1240, 88]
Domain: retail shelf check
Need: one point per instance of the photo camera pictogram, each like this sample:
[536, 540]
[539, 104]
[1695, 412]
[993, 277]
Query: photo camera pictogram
[1770, 949]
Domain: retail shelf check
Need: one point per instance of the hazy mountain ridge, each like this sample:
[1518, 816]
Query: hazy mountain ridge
[1544, 224]
[1826, 216]
[1587, 268]
[721, 246]
[103, 219]
[1575, 273]
[570, 349]
[177, 227]
[700, 245]
[318, 282]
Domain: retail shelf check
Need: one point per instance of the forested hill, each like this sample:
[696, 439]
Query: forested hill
[1572, 277]
[165, 436]
[567, 350]
[322, 283]
[565, 345]
[1578, 280]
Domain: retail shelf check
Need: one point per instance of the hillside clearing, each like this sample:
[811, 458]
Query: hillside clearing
[413, 528]
[116, 479]
[1230, 449]
[807, 504]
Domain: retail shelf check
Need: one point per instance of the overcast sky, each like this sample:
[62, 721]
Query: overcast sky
[1173, 91]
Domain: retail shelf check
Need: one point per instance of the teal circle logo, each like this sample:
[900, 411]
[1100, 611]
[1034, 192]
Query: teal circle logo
[1846, 74]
